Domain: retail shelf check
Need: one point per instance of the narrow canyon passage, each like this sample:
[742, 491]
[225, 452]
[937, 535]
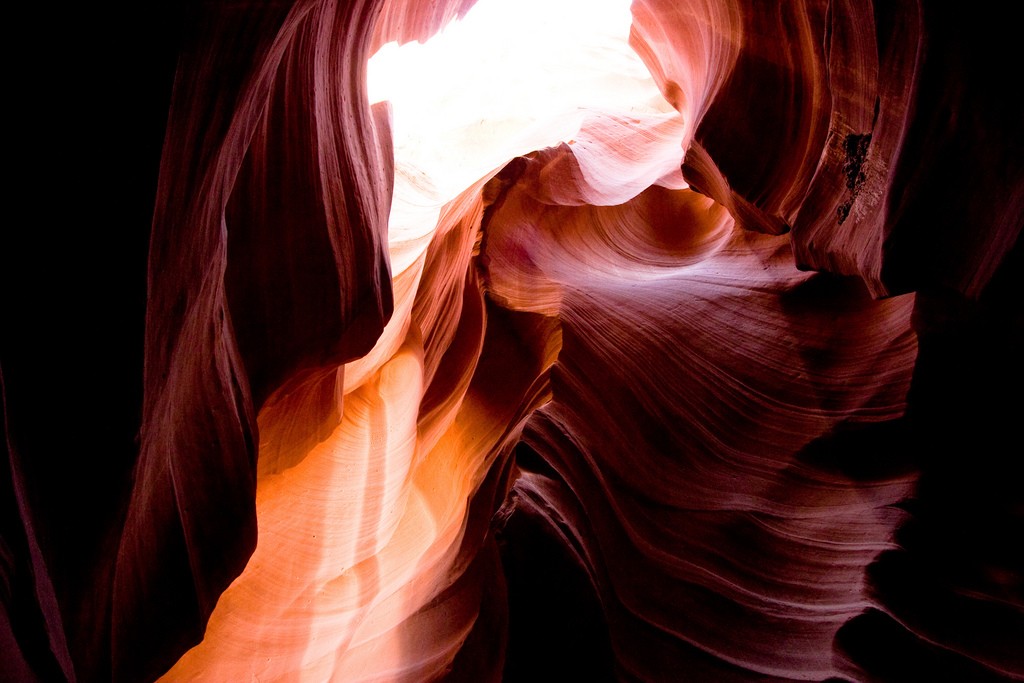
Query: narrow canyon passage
[559, 340]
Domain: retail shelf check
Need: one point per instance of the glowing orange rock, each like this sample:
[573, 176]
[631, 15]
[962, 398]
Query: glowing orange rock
[432, 354]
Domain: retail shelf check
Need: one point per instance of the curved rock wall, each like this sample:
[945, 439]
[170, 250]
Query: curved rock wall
[719, 389]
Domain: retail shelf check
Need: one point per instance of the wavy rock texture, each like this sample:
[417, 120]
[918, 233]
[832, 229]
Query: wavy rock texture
[706, 373]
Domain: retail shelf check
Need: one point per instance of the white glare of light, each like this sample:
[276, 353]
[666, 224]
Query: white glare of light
[511, 77]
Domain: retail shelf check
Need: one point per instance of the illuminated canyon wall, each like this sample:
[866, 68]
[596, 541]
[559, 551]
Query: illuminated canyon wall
[700, 362]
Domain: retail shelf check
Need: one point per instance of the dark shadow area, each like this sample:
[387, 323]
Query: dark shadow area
[557, 629]
[862, 452]
[89, 129]
[889, 652]
[955, 588]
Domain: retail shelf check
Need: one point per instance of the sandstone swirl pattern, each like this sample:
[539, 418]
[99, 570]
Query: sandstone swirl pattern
[698, 365]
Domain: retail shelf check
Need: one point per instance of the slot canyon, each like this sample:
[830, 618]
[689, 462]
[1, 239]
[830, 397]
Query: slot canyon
[514, 340]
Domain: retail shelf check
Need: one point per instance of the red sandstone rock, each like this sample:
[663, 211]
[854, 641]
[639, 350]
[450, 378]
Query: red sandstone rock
[568, 409]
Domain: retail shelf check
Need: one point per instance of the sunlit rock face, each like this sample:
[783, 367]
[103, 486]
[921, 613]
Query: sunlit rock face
[672, 341]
